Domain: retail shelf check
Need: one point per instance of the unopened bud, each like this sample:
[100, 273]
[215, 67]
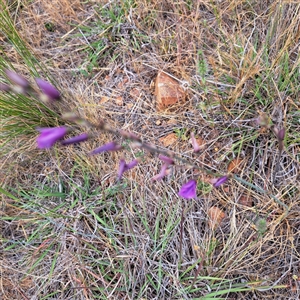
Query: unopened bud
[21, 85]
[216, 182]
[280, 133]
[50, 93]
[4, 87]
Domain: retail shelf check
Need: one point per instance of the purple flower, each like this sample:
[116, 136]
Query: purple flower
[112, 146]
[166, 159]
[48, 89]
[17, 79]
[4, 87]
[280, 133]
[188, 190]
[164, 169]
[123, 167]
[195, 143]
[216, 182]
[76, 139]
[163, 172]
[49, 136]
[129, 135]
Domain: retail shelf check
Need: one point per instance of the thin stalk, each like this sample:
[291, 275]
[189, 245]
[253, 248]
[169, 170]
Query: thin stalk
[181, 236]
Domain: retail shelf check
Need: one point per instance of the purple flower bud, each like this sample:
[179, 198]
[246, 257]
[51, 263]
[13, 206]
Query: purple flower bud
[49, 136]
[163, 172]
[112, 146]
[4, 87]
[17, 79]
[166, 159]
[76, 139]
[123, 167]
[195, 143]
[129, 135]
[216, 182]
[188, 190]
[48, 89]
[281, 134]
[164, 169]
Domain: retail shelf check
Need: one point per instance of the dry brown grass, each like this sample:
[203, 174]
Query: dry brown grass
[97, 241]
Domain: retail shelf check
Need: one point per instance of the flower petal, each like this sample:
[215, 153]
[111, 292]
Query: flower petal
[163, 172]
[132, 164]
[48, 89]
[49, 136]
[76, 139]
[188, 190]
[4, 87]
[112, 146]
[216, 182]
[281, 134]
[17, 79]
[166, 159]
[195, 143]
[123, 167]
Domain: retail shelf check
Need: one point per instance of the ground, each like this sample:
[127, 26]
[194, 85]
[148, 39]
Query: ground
[70, 230]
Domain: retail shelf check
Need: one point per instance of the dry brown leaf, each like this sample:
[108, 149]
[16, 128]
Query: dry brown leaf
[119, 100]
[122, 83]
[103, 99]
[201, 142]
[135, 93]
[167, 91]
[216, 215]
[172, 121]
[235, 165]
[246, 200]
[226, 189]
[168, 139]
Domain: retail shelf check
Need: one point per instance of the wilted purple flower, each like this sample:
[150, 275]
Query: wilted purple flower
[166, 159]
[280, 133]
[48, 89]
[216, 182]
[195, 143]
[112, 146]
[164, 169]
[76, 139]
[49, 136]
[163, 172]
[188, 190]
[17, 79]
[129, 135]
[4, 87]
[123, 167]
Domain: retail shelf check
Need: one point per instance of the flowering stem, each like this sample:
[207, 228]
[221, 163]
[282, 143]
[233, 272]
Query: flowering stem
[132, 137]
[153, 149]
